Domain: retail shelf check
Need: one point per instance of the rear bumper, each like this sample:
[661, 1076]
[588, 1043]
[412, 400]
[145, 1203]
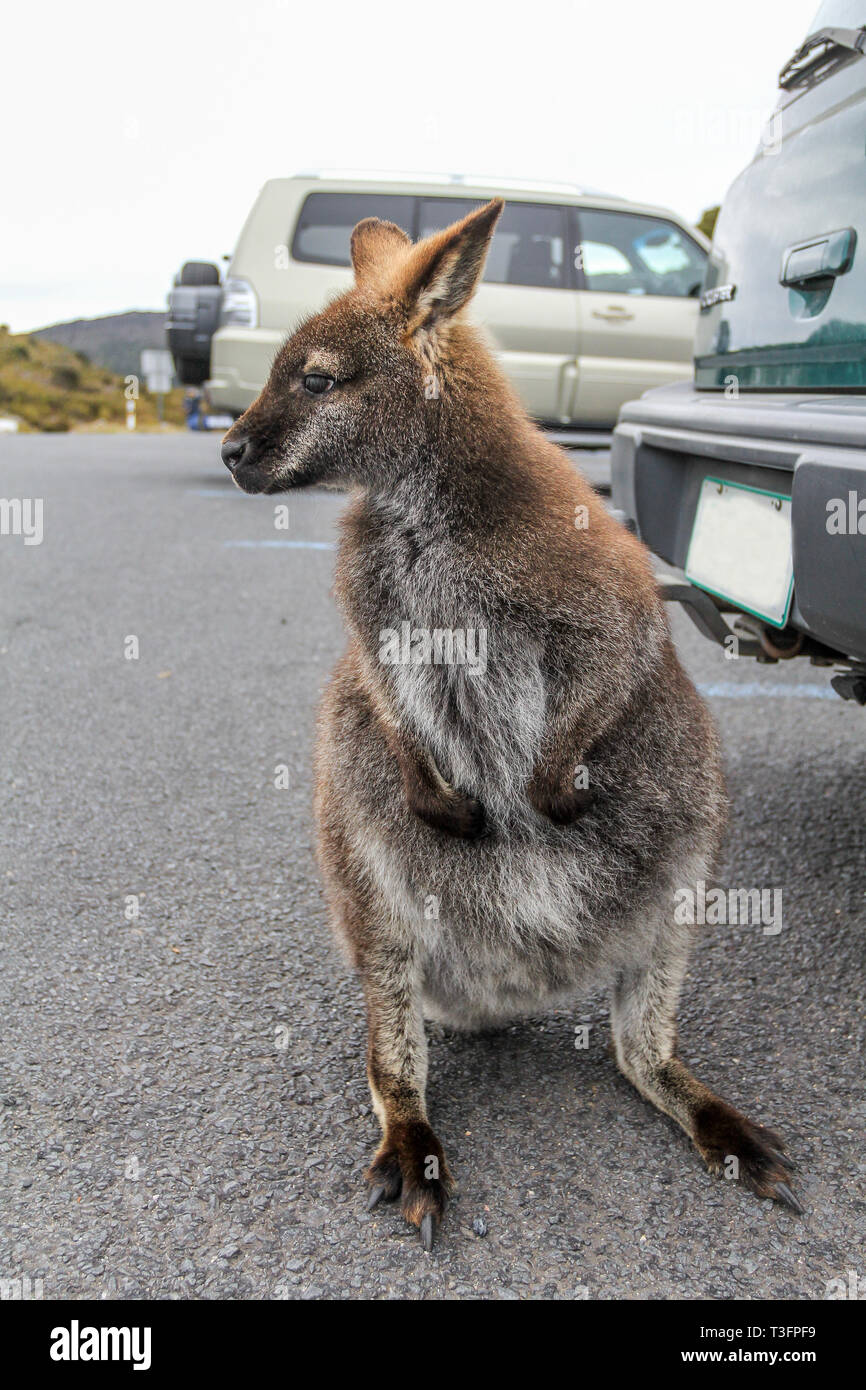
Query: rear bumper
[812, 447]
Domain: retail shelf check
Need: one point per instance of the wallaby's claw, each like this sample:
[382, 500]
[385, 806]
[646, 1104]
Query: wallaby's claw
[424, 1207]
[781, 1157]
[428, 1231]
[385, 1178]
[782, 1193]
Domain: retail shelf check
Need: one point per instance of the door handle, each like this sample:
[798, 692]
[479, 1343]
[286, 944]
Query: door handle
[613, 313]
[821, 258]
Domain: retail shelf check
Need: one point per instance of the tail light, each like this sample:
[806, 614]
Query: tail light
[239, 307]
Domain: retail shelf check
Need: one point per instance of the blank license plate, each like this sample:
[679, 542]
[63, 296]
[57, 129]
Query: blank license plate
[741, 548]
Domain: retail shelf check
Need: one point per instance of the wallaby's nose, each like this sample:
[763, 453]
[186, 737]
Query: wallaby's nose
[232, 452]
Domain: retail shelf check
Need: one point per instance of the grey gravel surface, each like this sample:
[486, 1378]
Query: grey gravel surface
[184, 1108]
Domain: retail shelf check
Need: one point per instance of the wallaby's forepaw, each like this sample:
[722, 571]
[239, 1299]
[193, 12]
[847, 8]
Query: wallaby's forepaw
[410, 1164]
[563, 808]
[733, 1146]
[458, 815]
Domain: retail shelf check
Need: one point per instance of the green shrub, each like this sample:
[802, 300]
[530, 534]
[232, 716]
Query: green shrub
[67, 378]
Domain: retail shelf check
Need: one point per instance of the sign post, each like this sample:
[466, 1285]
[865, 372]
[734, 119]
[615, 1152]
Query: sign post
[157, 368]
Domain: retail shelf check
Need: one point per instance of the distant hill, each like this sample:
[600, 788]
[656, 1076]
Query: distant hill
[46, 386]
[114, 341]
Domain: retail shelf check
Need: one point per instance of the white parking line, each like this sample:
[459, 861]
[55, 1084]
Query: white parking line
[748, 690]
[281, 545]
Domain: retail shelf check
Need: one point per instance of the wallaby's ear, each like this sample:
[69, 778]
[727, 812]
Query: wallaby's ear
[440, 273]
[374, 244]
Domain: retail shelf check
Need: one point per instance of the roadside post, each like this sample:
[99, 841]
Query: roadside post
[157, 369]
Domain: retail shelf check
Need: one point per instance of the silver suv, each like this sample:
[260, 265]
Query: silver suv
[589, 299]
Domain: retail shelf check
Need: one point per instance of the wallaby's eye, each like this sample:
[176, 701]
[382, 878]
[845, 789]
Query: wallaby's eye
[316, 383]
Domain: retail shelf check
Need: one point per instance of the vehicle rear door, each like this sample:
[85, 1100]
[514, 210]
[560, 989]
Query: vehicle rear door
[639, 279]
[785, 301]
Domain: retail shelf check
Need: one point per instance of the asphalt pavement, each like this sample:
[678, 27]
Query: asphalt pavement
[184, 1107]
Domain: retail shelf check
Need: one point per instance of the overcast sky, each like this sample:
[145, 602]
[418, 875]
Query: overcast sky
[136, 137]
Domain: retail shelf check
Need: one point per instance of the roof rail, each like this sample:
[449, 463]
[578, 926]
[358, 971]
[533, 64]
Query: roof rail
[456, 180]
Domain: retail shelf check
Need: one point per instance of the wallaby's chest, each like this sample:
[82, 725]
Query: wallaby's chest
[460, 671]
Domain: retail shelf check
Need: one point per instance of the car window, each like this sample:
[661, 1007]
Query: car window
[528, 247]
[626, 253]
[326, 221]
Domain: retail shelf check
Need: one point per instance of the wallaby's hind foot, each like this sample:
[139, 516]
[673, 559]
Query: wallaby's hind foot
[410, 1164]
[731, 1145]
[643, 1020]
[721, 1134]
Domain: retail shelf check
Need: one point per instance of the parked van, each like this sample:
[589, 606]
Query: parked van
[588, 298]
[751, 478]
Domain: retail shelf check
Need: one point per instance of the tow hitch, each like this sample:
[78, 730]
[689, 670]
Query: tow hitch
[851, 685]
[707, 618]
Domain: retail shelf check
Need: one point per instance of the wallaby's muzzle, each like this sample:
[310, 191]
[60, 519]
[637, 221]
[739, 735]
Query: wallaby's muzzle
[232, 453]
[246, 463]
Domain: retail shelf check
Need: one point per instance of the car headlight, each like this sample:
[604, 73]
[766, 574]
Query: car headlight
[240, 306]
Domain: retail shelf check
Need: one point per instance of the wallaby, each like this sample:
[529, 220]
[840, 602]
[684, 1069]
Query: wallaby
[514, 775]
